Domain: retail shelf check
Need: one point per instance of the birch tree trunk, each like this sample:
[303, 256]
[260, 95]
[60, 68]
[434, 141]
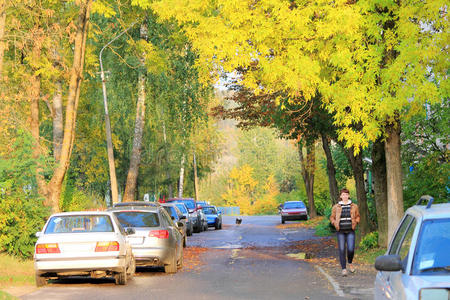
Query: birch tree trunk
[2, 35]
[307, 170]
[181, 181]
[331, 171]
[195, 178]
[358, 173]
[380, 189]
[394, 177]
[58, 122]
[76, 74]
[135, 159]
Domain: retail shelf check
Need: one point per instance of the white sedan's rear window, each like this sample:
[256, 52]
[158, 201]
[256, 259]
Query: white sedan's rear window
[79, 223]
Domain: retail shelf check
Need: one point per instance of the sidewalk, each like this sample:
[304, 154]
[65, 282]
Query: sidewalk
[324, 256]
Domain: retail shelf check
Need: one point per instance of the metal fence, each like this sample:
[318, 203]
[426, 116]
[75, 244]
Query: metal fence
[229, 210]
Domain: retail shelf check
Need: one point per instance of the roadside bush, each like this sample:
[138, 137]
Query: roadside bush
[324, 228]
[22, 213]
[369, 241]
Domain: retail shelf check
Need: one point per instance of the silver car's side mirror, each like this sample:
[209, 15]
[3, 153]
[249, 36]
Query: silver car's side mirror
[180, 224]
[38, 234]
[130, 231]
[390, 263]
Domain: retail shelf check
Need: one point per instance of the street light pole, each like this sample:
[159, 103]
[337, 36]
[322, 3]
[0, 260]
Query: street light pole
[112, 167]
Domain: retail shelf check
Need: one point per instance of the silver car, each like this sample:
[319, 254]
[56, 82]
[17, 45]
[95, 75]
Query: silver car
[157, 241]
[83, 243]
[177, 217]
[417, 262]
[293, 210]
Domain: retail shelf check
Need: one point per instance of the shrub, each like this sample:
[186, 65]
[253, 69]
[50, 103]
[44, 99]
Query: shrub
[22, 213]
[369, 241]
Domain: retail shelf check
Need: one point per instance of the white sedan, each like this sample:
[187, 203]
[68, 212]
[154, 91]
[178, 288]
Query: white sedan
[83, 243]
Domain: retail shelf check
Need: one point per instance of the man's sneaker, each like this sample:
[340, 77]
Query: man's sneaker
[344, 272]
[351, 268]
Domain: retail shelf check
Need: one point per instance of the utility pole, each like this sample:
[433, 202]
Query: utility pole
[112, 166]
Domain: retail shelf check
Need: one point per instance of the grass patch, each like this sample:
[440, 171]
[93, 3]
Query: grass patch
[15, 272]
[369, 256]
[6, 296]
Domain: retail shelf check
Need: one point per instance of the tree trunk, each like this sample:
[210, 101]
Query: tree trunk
[181, 181]
[168, 177]
[135, 160]
[76, 73]
[331, 171]
[394, 177]
[58, 122]
[2, 35]
[380, 188]
[307, 170]
[358, 173]
[195, 178]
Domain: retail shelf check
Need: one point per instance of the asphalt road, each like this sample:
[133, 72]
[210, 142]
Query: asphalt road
[243, 261]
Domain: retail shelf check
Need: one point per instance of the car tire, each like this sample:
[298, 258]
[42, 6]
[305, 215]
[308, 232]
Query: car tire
[282, 221]
[217, 226]
[184, 242]
[189, 232]
[220, 227]
[172, 267]
[40, 281]
[121, 278]
[205, 228]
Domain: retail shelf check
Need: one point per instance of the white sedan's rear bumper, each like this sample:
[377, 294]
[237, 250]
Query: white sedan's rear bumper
[84, 264]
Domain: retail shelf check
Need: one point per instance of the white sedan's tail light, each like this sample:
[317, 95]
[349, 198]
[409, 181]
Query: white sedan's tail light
[47, 248]
[107, 246]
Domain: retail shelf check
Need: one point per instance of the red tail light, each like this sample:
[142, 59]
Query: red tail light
[107, 246]
[161, 234]
[47, 248]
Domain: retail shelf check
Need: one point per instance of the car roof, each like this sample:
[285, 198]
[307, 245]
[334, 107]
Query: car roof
[180, 199]
[136, 203]
[435, 211]
[294, 201]
[135, 208]
[76, 213]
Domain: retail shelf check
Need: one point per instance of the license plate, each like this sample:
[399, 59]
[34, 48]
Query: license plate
[136, 240]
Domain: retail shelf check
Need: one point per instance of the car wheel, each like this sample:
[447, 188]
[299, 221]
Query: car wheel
[282, 220]
[40, 281]
[189, 232]
[205, 228]
[184, 242]
[121, 278]
[220, 227]
[172, 267]
[217, 226]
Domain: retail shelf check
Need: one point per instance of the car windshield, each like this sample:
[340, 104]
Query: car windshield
[137, 219]
[79, 223]
[294, 205]
[171, 211]
[189, 203]
[432, 248]
[209, 210]
[182, 208]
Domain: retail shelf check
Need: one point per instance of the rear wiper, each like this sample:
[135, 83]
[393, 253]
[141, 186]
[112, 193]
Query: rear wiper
[446, 268]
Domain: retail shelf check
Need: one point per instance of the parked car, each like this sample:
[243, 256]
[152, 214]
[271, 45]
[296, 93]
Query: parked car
[194, 212]
[83, 243]
[177, 216]
[136, 203]
[213, 216]
[200, 204]
[203, 220]
[157, 241]
[293, 210]
[184, 210]
[417, 262]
